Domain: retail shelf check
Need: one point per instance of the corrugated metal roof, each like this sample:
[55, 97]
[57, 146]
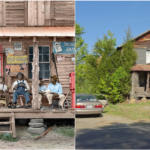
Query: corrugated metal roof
[141, 68]
[37, 31]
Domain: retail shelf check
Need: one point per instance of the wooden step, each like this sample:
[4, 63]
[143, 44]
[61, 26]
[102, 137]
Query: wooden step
[5, 122]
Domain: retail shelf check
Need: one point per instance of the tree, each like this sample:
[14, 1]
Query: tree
[81, 53]
[111, 75]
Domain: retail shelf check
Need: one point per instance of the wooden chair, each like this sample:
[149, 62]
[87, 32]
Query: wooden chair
[3, 100]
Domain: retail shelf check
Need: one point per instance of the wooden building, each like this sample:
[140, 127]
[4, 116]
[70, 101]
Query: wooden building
[141, 70]
[29, 28]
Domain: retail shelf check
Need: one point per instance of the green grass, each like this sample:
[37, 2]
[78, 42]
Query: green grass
[132, 111]
[8, 137]
[66, 132]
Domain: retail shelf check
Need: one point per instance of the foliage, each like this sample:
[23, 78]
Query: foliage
[8, 137]
[111, 75]
[66, 132]
[81, 53]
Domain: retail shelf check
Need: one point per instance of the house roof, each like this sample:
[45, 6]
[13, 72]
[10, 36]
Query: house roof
[140, 68]
[37, 31]
[136, 38]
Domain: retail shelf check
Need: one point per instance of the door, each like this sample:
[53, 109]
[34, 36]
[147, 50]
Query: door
[1, 64]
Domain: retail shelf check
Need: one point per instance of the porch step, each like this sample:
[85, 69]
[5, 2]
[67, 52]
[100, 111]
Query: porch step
[11, 122]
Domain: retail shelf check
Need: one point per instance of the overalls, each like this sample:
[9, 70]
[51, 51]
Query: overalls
[21, 91]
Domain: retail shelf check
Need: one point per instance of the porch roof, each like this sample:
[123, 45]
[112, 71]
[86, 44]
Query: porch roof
[37, 31]
[140, 68]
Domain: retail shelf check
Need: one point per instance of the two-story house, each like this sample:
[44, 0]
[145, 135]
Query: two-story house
[141, 70]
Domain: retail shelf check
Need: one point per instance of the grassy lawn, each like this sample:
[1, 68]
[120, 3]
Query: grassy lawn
[132, 111]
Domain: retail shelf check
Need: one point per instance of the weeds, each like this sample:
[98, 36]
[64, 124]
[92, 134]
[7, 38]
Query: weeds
[66, 132]
[7, 137]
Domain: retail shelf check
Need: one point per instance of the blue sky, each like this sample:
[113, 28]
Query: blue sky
[100, 16]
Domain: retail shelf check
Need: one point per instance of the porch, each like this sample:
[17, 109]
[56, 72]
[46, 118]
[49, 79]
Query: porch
[140, 81]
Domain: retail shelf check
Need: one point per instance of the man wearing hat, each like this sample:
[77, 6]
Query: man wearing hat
[56, 91]
[4, 90]
[20, 87]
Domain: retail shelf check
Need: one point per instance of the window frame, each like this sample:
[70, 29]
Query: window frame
[39, 62]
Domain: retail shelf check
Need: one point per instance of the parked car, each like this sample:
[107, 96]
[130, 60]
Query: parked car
[102, 98]
[87, 104]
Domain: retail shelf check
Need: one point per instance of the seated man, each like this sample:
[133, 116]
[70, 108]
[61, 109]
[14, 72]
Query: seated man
[42, 89]
[56, 91]
[20, 87]
[4, 90]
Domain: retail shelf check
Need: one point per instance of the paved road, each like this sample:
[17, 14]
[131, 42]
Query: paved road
[112, 134]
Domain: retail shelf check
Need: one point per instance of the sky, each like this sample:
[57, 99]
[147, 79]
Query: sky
[98, 17]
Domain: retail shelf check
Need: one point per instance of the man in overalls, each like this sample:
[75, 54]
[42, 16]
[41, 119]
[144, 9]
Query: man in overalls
[20, 87]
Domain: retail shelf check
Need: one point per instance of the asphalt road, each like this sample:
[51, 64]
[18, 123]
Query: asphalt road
[112, 135]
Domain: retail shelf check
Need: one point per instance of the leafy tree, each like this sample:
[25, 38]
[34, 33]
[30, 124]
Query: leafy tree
[81, 53]
[111, 75]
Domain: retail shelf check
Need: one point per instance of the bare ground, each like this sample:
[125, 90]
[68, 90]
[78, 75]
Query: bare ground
[91, 121]
[51, 140]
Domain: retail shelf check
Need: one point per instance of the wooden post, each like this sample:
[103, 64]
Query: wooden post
[35, 77]
[147, 85]
[132, 84]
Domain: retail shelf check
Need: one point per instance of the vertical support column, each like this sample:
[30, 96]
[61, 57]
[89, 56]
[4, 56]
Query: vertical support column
[35, 77]
[133, 86]
[147, 85]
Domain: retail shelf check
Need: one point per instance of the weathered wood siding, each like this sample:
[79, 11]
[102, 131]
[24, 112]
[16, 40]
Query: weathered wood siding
[37, 13]
[51, 13]
[143, 42]
[15, 13]
[141, 56]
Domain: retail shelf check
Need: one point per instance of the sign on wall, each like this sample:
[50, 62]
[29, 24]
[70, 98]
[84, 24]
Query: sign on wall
[17, 59]
[64, 47]
[9, 51]
[16, 68]
[18, 46]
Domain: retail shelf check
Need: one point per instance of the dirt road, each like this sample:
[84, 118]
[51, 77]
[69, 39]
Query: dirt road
[51, 140]
[111, 131]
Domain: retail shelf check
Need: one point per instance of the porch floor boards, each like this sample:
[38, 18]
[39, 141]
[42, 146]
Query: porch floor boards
[21, 113]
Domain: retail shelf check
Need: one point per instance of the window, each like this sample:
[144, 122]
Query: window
[148, 57]
[44, 62]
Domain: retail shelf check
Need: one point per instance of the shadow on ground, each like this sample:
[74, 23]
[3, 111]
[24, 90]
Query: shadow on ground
[89, 116]
[115, 136]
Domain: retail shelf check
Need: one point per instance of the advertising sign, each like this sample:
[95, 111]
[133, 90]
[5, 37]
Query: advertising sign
[18, 46]
[64, 47]
[17, 59]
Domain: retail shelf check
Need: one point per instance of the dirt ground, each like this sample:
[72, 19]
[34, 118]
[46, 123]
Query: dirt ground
[51, 140]
[91, 121]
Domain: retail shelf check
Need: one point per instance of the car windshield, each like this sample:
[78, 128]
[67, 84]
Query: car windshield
[87, 98]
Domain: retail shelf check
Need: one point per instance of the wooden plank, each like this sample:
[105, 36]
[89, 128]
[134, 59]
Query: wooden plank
[61, 115]
[1, 14]
[5, 122]
[13, 126]
[26, 14]
[30, 13]
[15, 16]
[21, 7]
[41, 17]
[52, 13]
[64, 3]
[47, 9]
[2, 132]
[4, 14]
